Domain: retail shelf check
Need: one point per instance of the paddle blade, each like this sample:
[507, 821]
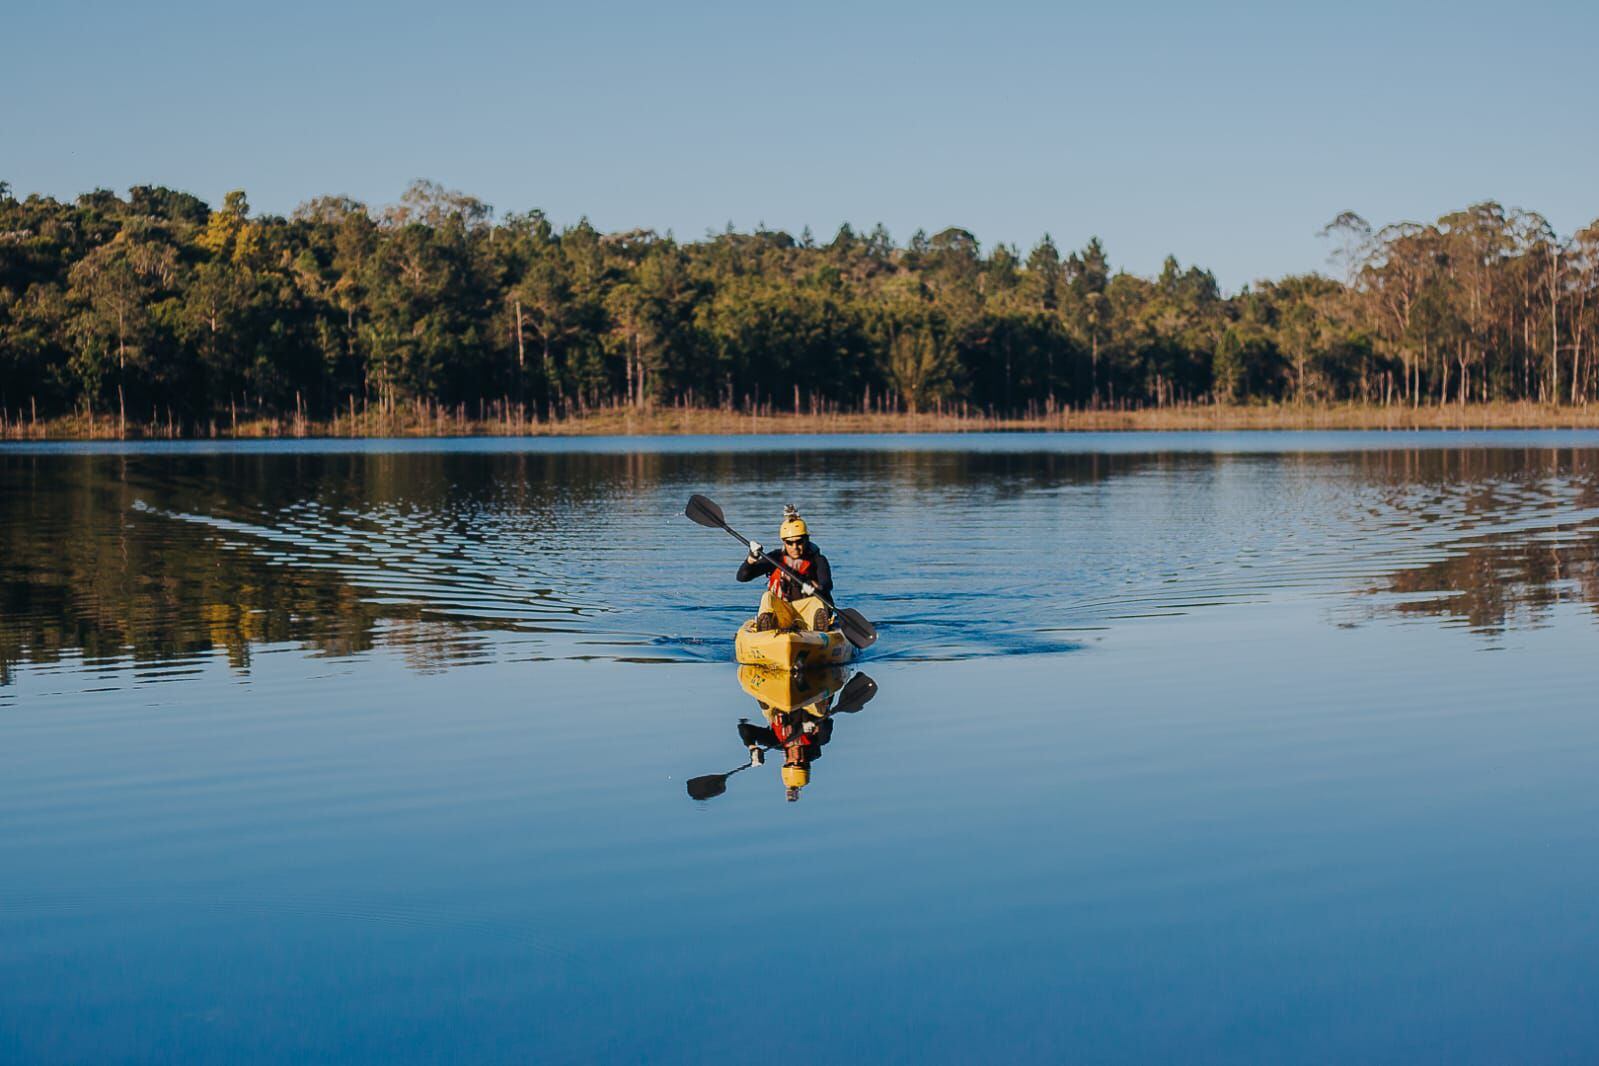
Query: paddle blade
[857, 630]
[705, 512]
[703, 788]
[856, 694]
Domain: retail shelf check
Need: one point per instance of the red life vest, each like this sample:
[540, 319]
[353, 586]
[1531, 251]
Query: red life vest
[783, 585]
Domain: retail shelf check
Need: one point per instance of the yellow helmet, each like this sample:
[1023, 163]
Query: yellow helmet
[796, 776]
[793, 525]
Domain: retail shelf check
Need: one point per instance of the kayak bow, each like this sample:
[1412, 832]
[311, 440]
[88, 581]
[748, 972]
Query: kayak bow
[782, 649]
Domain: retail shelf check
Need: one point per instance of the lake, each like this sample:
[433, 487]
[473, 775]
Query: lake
[1234, 747]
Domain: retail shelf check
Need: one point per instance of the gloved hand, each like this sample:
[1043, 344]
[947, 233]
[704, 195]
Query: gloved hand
[755, 551]
[809, 726]
[807, 589]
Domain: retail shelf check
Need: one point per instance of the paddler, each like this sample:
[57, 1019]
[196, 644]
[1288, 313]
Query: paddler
[789, 603]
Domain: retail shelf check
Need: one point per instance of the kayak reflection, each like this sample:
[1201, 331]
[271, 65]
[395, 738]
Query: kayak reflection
[797, 710]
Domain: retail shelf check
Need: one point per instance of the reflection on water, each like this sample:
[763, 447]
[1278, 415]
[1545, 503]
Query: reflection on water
[150, 564]
[1505, 581]
[797, 710]
[1235, 834]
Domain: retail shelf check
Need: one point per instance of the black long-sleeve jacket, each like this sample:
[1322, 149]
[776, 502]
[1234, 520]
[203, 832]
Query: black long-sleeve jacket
[821, 574]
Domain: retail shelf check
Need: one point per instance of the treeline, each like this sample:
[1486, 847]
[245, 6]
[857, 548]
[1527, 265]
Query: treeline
[156, 306]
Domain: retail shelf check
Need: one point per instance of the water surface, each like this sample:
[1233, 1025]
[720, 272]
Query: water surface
[1215, 747]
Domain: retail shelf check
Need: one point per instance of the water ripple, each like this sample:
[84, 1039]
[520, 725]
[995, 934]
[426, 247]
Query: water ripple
[163, 563]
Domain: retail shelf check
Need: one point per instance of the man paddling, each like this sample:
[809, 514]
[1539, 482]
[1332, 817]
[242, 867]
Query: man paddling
[787, 603]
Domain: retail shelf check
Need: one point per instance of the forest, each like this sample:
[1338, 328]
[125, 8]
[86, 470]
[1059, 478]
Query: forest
[158, 309]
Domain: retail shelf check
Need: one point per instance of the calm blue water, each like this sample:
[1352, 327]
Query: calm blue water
[1198, 748]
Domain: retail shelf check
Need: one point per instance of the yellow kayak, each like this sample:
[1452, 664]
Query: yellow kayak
[784, 649]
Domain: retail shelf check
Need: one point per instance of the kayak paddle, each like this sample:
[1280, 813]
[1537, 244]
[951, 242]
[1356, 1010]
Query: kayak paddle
[857, 630]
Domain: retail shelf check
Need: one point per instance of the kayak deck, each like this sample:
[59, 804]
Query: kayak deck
[791, 649]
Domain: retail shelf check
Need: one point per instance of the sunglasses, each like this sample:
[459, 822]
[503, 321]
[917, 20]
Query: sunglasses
[796, 542]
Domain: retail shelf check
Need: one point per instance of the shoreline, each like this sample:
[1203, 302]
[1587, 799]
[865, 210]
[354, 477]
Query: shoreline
[679, 421]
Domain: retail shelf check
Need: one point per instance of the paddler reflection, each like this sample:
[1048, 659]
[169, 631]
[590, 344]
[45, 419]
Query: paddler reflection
[797, 712]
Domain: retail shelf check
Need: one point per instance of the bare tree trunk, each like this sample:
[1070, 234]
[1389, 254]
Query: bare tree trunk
[1576, 357]
[1554, 322]
[628, 358]
[521, 358]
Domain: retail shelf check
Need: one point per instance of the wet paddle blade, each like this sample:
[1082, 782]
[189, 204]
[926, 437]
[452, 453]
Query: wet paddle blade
[857, 630]
[705, 512]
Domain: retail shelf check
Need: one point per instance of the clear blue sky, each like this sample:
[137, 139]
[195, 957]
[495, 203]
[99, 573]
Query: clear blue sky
[1225, 135]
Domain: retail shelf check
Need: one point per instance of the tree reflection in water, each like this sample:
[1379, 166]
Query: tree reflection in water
[1508, 582]
[147, 560]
